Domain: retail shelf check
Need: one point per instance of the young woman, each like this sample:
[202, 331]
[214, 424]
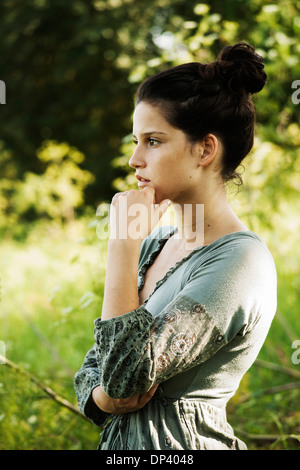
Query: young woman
[186, 308]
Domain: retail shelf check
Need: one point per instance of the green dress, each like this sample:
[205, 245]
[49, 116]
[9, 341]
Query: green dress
[196, 335]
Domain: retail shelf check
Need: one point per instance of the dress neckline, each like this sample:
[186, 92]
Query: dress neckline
[161, 243]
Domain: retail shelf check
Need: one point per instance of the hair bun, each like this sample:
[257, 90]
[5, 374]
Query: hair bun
[242, 68]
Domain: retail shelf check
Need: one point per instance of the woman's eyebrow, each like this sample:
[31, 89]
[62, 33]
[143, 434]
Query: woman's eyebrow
[151, 132]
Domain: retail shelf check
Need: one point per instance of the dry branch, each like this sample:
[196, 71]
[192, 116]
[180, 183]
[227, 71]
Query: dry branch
[57, 398]
[277, 368]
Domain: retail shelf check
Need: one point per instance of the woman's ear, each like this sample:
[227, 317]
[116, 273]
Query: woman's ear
[207, 149]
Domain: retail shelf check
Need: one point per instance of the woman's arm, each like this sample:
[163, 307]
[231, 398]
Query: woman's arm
[92, 400]
[121, 292]
[118, 406]
[86, 379]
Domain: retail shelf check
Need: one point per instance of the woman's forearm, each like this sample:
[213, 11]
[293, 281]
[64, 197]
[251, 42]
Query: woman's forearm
[121, 292]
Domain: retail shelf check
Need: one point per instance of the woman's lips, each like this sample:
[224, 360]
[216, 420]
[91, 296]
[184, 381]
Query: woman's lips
[142, 182]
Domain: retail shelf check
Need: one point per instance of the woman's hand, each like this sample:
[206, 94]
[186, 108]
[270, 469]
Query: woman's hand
[119, 406]
[134, 214]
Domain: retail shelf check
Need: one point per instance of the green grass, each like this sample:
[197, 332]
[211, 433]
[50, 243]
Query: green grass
[51, 292]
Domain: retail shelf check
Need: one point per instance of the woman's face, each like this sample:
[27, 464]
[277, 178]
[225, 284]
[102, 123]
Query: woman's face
[163, 157]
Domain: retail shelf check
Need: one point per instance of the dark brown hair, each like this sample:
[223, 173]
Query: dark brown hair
[212, 98]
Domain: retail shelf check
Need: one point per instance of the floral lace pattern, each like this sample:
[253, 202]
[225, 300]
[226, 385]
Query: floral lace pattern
[137, 351]
[86, 379]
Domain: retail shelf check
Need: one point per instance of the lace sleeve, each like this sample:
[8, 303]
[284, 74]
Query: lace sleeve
[137, 351]
[86, 379]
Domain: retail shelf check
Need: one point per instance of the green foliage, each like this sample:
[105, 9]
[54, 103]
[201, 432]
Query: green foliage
[27, 421]
[60, 188]
[54, 194]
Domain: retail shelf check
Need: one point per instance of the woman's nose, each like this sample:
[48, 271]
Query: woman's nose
[136, 161]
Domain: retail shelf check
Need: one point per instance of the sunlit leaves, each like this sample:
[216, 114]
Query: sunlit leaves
[58, 191]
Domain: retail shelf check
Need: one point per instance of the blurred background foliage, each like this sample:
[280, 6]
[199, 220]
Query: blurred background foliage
[71, 71]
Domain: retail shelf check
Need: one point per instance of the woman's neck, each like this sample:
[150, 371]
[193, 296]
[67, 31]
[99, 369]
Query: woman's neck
[202, 222]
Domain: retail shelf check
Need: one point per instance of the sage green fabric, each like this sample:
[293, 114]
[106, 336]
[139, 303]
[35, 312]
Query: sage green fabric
[196, 335]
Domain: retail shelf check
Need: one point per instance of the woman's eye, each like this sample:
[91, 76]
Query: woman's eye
[152, 142]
